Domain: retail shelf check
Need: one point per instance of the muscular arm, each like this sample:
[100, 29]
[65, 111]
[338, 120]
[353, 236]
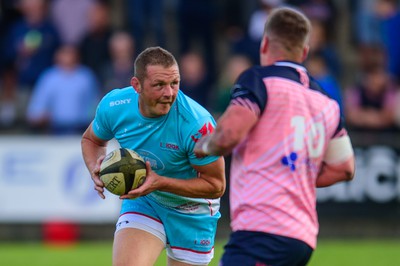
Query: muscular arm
[338, 163]
[93, 151]
[232, 127]
[334, 173]
[210, 182]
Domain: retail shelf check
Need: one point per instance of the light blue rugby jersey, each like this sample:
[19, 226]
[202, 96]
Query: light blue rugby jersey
[167, 141]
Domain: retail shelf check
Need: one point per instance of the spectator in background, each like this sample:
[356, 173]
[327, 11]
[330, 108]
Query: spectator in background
[388, 12]
[9, 13]
[320, 44]
[70, 18]
[196, 24]
[32, 41]
[248, 44]
[365, 29]
[29, 48]
[370, 104]
[318, 68]
[94, 48]
[195, 80]
[118, 71]
[65, 97]
[235, 65]
[376, 24]
[145, 17]
[322, 10]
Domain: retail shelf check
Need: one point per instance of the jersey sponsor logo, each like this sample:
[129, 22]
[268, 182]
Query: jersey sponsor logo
[155, 162]
[169, 146]
[122, 223]
[202, 242]
[290, 161]
[189, 206]
[207, 128]
[120, 102]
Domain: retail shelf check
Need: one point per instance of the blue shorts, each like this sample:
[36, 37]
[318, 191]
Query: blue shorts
[246, 248]
[188, 237]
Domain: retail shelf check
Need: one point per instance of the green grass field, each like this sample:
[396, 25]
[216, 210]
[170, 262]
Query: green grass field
[328, 253]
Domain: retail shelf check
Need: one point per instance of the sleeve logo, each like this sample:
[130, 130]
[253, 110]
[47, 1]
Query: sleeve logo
[207, 128]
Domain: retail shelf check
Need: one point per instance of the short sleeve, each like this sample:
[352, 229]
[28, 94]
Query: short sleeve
[101, 122]
[201, 128]
[249, 90]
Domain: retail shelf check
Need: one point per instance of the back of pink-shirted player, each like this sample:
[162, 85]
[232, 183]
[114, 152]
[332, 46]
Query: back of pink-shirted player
[275, 169]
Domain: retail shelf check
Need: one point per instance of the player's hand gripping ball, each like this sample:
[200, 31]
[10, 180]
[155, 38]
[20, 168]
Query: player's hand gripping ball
[122, 170]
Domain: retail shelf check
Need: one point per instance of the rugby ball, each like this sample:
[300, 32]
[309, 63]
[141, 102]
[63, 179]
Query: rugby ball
[122, 170]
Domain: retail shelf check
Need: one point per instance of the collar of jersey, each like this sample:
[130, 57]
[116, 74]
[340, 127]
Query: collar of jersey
[290, 64]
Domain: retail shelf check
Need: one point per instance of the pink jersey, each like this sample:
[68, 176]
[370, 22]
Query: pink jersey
[274, 170]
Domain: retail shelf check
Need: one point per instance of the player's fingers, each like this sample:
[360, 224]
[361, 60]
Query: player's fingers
[148, 167]
[96, 169]
[96, 180]
[100, 159]
[101, 195]
[128, 196]
[100, 191]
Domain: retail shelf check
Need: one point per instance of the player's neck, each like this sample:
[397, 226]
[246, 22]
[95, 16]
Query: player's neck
[271, 58]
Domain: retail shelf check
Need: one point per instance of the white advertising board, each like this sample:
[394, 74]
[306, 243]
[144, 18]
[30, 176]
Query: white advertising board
[45, 178]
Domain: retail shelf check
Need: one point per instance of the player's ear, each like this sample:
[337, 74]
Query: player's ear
[135, 83]
[306, 49]
[264, 45]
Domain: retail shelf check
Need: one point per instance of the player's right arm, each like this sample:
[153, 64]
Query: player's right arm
[339, 162]
[248, 101]
[93, 152]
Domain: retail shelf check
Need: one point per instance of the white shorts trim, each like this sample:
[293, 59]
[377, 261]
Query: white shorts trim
[142, 222]
[190, 257]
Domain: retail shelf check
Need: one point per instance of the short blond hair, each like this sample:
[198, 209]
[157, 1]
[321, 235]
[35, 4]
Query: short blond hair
[289, 28]
[150, 57]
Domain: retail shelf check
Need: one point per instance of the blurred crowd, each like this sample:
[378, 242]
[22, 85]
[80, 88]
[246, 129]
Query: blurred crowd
[59, 57]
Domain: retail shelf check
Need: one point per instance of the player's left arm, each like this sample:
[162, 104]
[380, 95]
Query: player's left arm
[93, 152]
[210, 182]
[339, 163]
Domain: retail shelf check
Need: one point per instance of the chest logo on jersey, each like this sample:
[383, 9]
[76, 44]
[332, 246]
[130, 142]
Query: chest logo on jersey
[207, 128]
[169, 146]
[290, 161]
[120, 102]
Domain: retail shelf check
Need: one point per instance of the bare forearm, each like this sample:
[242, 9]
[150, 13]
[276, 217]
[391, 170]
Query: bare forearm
[221, 142]
[91, 149]
[231, 130]
[91, 152]
[198, 187]
[210, 182]
[330, 175]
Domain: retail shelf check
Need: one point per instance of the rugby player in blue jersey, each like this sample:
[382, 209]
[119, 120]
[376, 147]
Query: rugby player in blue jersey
[177, 208]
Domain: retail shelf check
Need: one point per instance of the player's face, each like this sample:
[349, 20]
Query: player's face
[158, 90]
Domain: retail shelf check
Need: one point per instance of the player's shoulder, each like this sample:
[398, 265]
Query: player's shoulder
[256, 75]
[194, 121]
[251, 73]
[119, 97]
[189, 109]
[275, 70]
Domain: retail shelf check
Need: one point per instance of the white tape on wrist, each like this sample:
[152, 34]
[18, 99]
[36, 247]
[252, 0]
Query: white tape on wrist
[339, 150]
[206, 146]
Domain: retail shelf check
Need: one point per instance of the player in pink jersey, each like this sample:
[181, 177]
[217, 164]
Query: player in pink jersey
[286, 138]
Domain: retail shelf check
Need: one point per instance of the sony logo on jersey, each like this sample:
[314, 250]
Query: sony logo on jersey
[119, 102]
